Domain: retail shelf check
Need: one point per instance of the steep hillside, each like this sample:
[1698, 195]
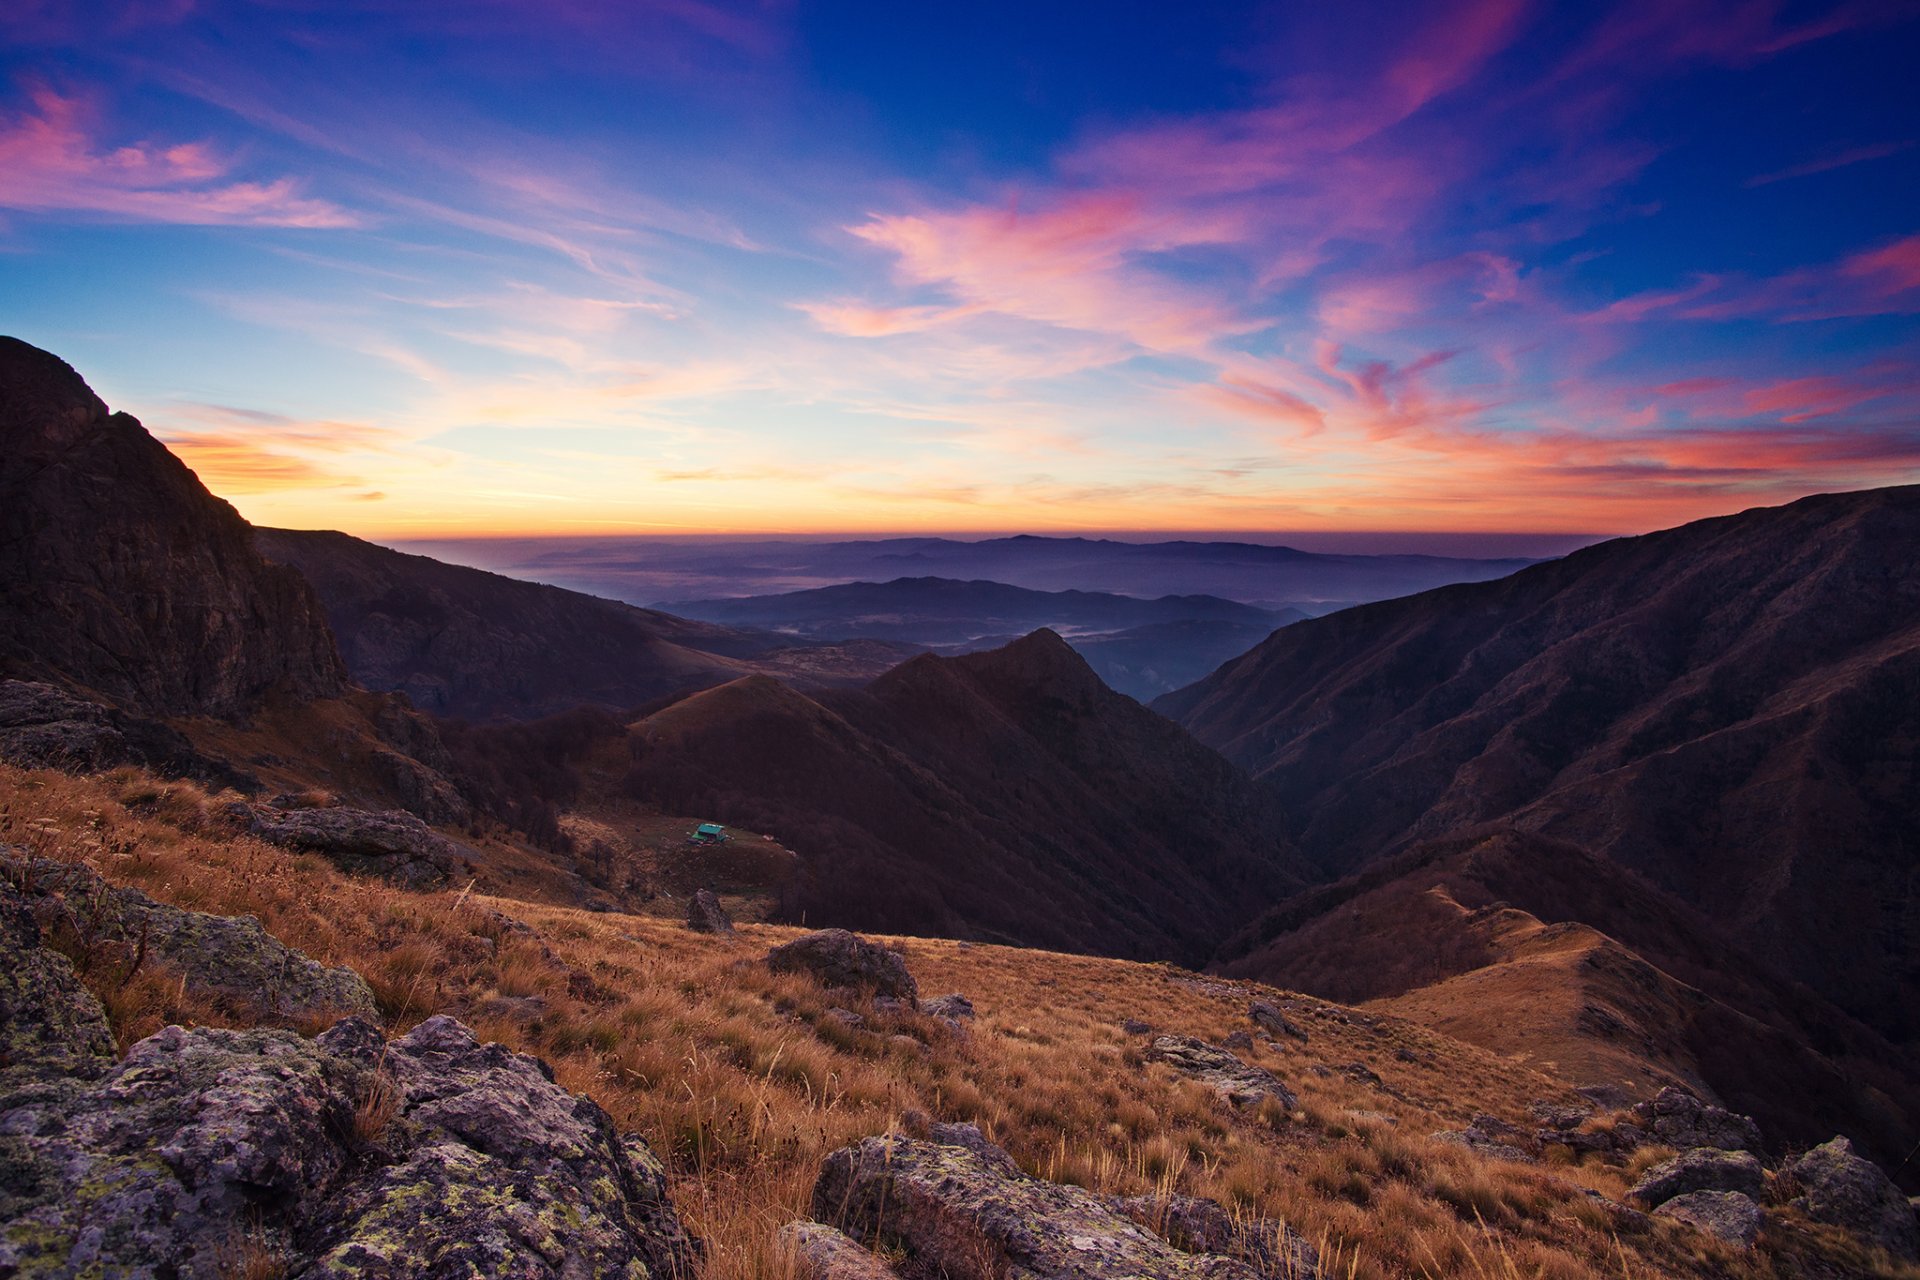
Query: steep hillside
[1731, 709]
[464, 642]
[742, 1079]
[1006, 795]
[1536, 948]
[1146, 662]
[120, 574]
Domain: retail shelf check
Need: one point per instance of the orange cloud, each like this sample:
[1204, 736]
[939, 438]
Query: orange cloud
[52, 162]
[243, 451]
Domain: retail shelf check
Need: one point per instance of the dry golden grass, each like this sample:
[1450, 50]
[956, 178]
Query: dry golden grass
[741, 1080]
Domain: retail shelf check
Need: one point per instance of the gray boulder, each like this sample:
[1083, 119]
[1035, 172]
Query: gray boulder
[1265, 1013]
[828, 1254]
[1678, 1119]
[837, 958]
[342, 1157]
[954, 1010]
[1701, 1169]
[1482, 1143]
[1240, 1083]
[231, 958]
[51, 1027]
[1728, 1216]
[969, 1136]
[706, 915]
[1845, 1190]
[393, 845]
[951, 1211]
[205, 1152]
[1272, 1249]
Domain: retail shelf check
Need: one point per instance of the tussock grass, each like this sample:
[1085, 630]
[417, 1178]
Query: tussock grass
[742, 1080]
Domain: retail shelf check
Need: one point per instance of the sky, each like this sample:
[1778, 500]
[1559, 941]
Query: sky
[592, 267]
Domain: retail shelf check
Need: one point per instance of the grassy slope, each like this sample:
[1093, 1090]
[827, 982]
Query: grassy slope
[742, 1082]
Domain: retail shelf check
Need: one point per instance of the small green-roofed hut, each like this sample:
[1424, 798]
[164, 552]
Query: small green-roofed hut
[709, 833]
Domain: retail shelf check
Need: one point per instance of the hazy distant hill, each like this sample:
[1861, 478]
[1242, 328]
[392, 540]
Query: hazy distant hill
[1731, 708]
[464, 642]
[1142, 648]
[649, 570]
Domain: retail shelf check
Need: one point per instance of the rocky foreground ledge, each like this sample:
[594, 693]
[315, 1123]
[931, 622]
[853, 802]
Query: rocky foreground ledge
[207, 1154]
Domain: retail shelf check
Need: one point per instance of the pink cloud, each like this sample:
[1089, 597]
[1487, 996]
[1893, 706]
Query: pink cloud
[1075, 264]
[53, 162]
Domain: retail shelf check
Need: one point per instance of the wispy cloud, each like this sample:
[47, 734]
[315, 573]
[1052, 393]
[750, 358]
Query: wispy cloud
[54, 161]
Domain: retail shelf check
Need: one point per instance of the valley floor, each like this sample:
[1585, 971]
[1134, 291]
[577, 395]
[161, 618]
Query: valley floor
[742, 1079]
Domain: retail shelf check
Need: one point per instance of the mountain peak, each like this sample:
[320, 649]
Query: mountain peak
[124, 576]
[43, 401]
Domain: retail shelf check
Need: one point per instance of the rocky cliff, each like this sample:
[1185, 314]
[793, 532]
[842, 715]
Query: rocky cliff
[121, 574]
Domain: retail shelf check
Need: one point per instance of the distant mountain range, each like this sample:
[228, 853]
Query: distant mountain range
[649, 570]
[1140, 647]
[463, 642]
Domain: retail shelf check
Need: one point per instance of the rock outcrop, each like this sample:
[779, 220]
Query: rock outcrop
[706, 915]
[51, 1027]
[43, 726]
[121, 574]
[339, 1157]
[1269, 1016]
[1701, 1169]
[1728, 1216]
[1238, 1082]
[825, 1253]
[229, 957]
[1678, 1119]
[949, 1210]
[1274, 1250]
[393, 845]
[1843, 1189]
[837, 958]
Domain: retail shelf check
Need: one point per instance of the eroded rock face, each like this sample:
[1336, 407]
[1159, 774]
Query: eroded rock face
[231, 957]
[706, 915]
[1725, 1215]
[43, 726]
[120, 573]
[952, 1211]
[1678, 1119]
[342, 1157]
[1843, 1189]
[1702, 1169]
[1240, 1083]
[837, 958]
[393, 845]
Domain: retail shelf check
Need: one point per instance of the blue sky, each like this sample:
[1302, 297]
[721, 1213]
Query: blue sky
[590, 267]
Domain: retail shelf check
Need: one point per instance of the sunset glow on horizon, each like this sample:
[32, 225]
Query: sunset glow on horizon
[684, 267]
